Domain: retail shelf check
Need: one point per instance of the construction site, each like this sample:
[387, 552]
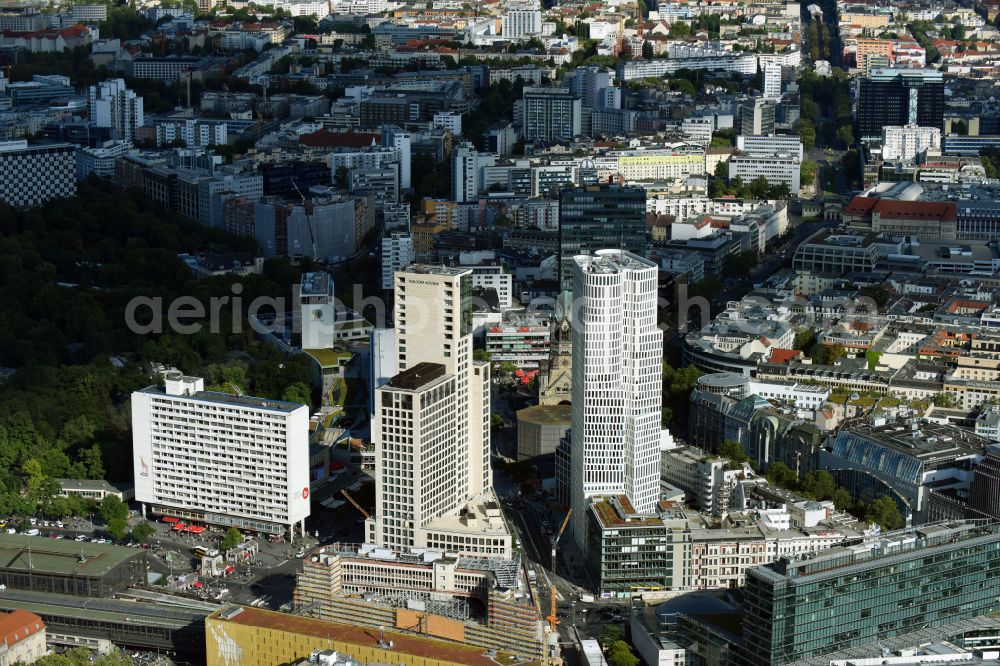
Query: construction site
[482, 602]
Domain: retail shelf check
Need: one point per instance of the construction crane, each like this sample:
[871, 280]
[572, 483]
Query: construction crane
[553, 618]
[353, 503]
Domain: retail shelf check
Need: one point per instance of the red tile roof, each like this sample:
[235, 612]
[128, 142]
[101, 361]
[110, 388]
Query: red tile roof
[327, 139]
[861, 206]
[779, 355]
[18, 625]
[946, 211]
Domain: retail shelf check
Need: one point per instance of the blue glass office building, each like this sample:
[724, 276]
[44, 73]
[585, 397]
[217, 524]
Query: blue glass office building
[857, 595]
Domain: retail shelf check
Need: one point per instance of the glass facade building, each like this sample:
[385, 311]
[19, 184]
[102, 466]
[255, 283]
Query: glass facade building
[598, 217]
[878, 589]
[899, 97]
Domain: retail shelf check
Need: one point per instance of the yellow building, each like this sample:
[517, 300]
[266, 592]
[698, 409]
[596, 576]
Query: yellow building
[870, 21]
[423, 236]
[439, 211]
[244, 636]
[659, 165]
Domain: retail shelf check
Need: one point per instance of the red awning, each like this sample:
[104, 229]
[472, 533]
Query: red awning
[230, 570]
[194, 529]
[169, 519]
[197, 583]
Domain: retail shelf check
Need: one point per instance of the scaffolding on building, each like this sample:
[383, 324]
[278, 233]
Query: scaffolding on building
[456, 608]
[505, 571]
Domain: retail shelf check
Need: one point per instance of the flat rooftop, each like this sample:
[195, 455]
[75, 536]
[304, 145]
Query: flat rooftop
[61, 556]
[362, 636]
[546, 414]
[107, 610]
[617, 511]
[436, 269]
[612, 261]
[230, 399]
[899, 545]
[417, 377]
[925, 440]
[316, 284]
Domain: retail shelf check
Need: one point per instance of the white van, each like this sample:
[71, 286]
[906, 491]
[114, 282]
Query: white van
[33, 532]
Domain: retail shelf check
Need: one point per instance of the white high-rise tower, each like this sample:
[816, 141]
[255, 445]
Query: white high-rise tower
[617, 383]
[432, 423]
[772, 81]
[112, 104]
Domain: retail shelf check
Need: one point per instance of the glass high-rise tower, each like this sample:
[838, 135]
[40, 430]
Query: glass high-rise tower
[596, 217]
[899, 97]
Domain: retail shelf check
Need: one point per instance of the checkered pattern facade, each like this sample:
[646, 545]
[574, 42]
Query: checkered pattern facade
[36, 174]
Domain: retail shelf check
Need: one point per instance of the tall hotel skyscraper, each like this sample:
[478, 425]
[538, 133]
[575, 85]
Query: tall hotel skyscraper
[617, 370]
[431, 425]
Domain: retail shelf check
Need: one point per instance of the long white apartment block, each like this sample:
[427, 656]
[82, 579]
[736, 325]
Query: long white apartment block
[220, 459]
[770, 144]
[775, 169]
[617, 367]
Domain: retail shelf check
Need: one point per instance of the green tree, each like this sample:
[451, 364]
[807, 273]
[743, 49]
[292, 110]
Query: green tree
[885, 513]
[780, 474]
[825, 354]
[620, 654]
[341, 177]
[91, 462]
[507, 368]
[842, 499]
[805, 338]
[112, 508]
[299, 393]
[807, 132]
[818, 485]
[845, 136]
[232, 539]
[807, 172]
[734, 451]
[81, 657]
[481, 355]
[143, 531]
[34, 480]
[945, 399]
[666, 416]
[647, 50]
[117, 528]
[871, 358]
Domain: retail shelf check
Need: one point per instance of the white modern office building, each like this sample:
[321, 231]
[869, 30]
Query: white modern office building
[775, 169]
[402, 142]
[617, 367]
[906, 142]
[221, 459]
[493, 276]
[769, 144]
[772, 80]
[465, 173]
[111, 104]
[448, 503]
[521, 23]
[397, 253]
